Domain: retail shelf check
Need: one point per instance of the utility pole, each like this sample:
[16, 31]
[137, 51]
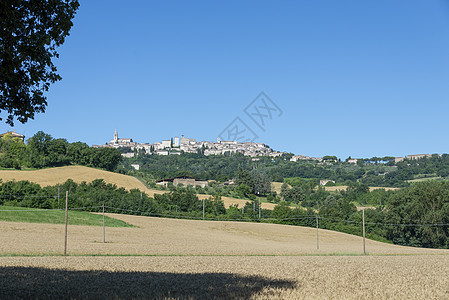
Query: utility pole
[203, 209]
[243, 206]
[259, 208]
[59, 189]
[317, 240]
[66, 216]
[363, 219]
[104, 231]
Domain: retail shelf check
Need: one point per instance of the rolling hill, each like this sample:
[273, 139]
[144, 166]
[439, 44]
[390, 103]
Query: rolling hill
[53, 176]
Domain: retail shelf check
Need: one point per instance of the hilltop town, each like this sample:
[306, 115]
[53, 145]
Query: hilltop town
[179, 145]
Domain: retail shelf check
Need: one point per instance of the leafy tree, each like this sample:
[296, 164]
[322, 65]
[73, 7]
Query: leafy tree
[57, 153]
[78, 153]
[29, 35]
[12, 152]
[243, 190]
[295, 195]
[261, 183]
[423, 203]
[106, 158]
[284, 189]
[38, 148]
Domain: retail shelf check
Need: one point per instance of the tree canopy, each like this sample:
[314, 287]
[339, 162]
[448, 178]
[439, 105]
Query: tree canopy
[30, 32]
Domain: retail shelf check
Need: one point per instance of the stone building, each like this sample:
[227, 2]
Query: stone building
[184, 180]
[13, 134]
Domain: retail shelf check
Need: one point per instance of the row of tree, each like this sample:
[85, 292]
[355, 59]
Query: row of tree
[42, 150]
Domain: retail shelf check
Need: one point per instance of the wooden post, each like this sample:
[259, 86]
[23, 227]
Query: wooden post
[66, 217]
[203, 209]
[317, 240]
[58, 196]
[104, 231]
[243, 206]
[363, 219]
[259, 208]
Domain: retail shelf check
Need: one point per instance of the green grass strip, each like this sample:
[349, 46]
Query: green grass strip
[30, 215]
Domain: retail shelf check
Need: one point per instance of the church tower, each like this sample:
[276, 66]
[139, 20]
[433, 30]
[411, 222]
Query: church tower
[115, 137]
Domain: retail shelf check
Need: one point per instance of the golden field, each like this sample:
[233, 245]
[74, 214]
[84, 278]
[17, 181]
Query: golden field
[160, 236]
[59, 175]
[184, 259]
[239, 277]
[371, 188]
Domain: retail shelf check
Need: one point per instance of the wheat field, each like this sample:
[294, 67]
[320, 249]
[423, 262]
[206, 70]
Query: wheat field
[238, 277]
[183, 259]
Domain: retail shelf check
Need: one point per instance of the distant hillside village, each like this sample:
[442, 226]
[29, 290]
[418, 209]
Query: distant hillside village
[178, 145]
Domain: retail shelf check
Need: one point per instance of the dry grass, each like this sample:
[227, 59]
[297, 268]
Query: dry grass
[276, 187]
[344, 187]
[53, 176]
[228, 201]
[159, 236]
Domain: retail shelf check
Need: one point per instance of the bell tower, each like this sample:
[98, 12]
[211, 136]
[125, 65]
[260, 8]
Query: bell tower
[116, 136]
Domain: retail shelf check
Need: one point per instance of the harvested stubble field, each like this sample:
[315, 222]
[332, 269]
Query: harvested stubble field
[204, 260]
[344, 187]
[160, 236]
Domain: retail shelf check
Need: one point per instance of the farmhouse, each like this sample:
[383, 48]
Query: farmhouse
[418, 156]
[13, 134]
[184, 180]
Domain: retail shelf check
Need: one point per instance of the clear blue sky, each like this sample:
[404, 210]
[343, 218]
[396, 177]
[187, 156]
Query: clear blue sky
[359, 78]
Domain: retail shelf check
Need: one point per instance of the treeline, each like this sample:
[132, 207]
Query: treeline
[42, 150]
[97, 193]
[413, 216]
[372, 172]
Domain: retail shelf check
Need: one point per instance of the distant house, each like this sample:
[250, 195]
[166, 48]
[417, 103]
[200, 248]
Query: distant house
[352, 161]
[417, 156]
[161, 152]
[13, 134]
[166, 144]
[184, 180]
[398, 159]
[299, 157]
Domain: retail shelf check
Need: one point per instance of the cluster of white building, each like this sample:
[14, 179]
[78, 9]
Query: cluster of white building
[304, 157]
[178, 145]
